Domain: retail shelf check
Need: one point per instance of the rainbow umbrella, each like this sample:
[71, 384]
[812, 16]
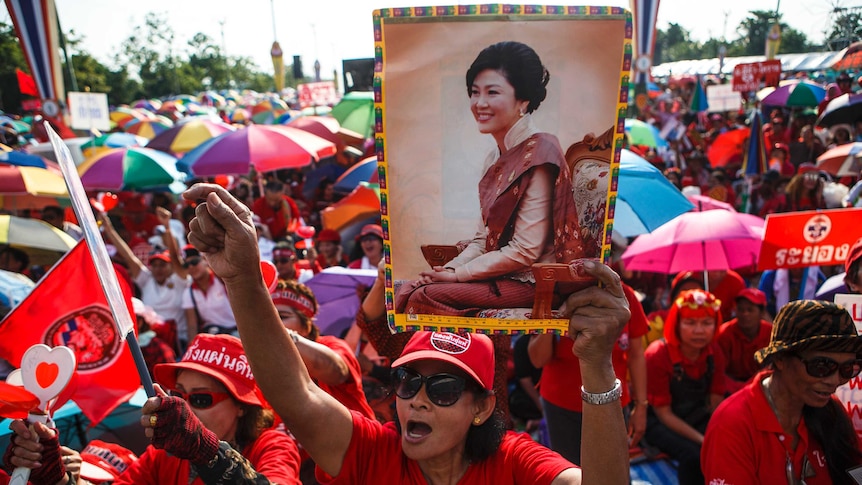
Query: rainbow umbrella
[111, 140]
[147, 104]
[264, 147]
[130, 169]
[185, 136]
[25, 180]
[123, 114]
[362, 203]
[795, 94]
[17, 125]
[147, 129]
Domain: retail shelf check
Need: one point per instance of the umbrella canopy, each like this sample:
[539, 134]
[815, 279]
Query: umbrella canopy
[129, 169]
[14, 287]
[16, 180]
[796, 94]
[851, 58]
[362, 203]
[107, 141]
[335, 291]
[846, 108]
[640, 133]
[697, 241]
[147, 129]
[833, 285]
[323, 126]
[355, 112]
[17, 125]
[44, 243]
[264, 147]
[323, 171]
[755, 162]
[363, 171]
[698, 99]
[22, 159]
[704, 203]
[646, 199]
[184, 137]
[727, 147]
[123, 114]
[841, 161]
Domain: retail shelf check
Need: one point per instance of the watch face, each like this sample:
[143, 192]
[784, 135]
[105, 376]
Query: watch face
[643, 63]
[50, 108]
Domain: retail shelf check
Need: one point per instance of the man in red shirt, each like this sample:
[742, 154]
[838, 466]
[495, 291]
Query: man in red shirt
[278, 211]
[741, 337]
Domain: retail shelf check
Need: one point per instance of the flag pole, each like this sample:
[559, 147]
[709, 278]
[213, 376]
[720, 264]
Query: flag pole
[104, 268]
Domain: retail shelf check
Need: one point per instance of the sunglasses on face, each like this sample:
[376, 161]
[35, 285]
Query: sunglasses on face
[201, 399]
[441, 389]
[824, 367]
[191, 262]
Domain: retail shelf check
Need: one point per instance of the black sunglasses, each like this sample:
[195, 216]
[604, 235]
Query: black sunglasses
[191, 262]
[442, 389]
[825, 367]
[201, 399]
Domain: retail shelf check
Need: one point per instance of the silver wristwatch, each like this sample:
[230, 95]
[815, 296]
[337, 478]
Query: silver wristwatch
[599, 398]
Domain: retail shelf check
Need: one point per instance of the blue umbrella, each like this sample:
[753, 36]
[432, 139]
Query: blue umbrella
[646, 199]
[313, 178]
[754, 161]
[361, 172]
[22, 159]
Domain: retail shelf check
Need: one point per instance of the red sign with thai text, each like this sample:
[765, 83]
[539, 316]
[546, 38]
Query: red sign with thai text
[809, 238]
[748, 77]
[317, 94]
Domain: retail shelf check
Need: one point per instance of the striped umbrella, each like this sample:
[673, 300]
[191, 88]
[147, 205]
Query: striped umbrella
[129, 169]
[183, 137]
[148, 129]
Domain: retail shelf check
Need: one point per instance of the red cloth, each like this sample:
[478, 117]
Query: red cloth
[660, 359]
[68, 307]
[561, 377]
[276, 220]
[273, 455]
[26, 83]
[143, 229]
[745, 445]
[349, 393]
[739, 350]
[375, 456]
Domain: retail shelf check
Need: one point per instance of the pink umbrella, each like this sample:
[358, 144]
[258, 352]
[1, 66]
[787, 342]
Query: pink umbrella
[697, 241]
[705, 203]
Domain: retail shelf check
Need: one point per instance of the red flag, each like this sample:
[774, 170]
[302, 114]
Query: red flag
[68, 307]
[26, 84]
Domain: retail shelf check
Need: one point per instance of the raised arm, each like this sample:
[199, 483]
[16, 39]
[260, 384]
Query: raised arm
[134, 264]
[170, 241]
[223, 230]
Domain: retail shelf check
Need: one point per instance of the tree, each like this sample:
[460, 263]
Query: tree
[13, 58]
[846, 28]
[752, 35]
[675, 44]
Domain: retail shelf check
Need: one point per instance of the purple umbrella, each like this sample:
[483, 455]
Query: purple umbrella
[802, 93]
[338, 302]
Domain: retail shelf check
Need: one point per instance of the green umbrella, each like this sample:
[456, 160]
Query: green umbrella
[355, 112]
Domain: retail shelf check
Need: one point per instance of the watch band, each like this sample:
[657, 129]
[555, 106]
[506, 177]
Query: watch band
[599, 398]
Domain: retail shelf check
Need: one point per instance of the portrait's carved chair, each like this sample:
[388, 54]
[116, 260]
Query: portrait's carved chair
[589, 163]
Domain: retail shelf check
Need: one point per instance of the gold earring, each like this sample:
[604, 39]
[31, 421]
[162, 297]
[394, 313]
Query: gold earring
[477, 420]
[521, 114]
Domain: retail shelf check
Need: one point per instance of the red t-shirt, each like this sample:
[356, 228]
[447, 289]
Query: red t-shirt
[273, 454]
[745, 445]
[349, 393]
[561, 376]
[739, 350]
[375, 456]
[276, 220]
[660, 370]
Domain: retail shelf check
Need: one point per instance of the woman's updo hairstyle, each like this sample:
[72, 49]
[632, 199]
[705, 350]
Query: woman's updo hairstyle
[520, 65]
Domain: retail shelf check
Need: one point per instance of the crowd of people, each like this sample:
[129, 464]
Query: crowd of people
[731, 375]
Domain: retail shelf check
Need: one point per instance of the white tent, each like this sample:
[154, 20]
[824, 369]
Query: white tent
[811, 61]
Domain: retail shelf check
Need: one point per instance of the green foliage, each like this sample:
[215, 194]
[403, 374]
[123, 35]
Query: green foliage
[846, 29]
[10, 51]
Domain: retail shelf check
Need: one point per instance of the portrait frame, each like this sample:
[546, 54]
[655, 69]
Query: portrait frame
[430, 152]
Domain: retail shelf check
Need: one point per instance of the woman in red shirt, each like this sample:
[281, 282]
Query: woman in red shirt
[214, 426]
[786, 425]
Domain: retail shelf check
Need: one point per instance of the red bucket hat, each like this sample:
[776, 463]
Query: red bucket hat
[854, 254]
[471, 352]
[370, 230]
[105, 461]
[220, 357]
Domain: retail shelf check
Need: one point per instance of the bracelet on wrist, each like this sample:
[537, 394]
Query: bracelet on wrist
[641, 403]
[599, 398]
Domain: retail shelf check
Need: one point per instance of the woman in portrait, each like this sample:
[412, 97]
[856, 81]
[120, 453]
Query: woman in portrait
[525, 195]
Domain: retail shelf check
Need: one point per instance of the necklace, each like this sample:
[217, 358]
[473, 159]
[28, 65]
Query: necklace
[769, 399]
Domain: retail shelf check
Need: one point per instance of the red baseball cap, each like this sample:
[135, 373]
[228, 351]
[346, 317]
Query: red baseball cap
[220, 357]
[104, 461]
[471, 352]
[806, 167]
[331, 236]
[854, 254]
[370, 230]
[163, 256]
[753, 295]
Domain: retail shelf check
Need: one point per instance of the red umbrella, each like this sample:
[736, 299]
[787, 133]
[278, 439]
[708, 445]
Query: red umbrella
[842, 160]
[727, 147]
[322, 126]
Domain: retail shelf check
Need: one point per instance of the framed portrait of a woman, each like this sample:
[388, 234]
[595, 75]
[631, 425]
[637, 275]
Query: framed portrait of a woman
[498, 132]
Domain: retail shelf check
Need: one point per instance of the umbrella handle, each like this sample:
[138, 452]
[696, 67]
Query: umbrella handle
[21, 475]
